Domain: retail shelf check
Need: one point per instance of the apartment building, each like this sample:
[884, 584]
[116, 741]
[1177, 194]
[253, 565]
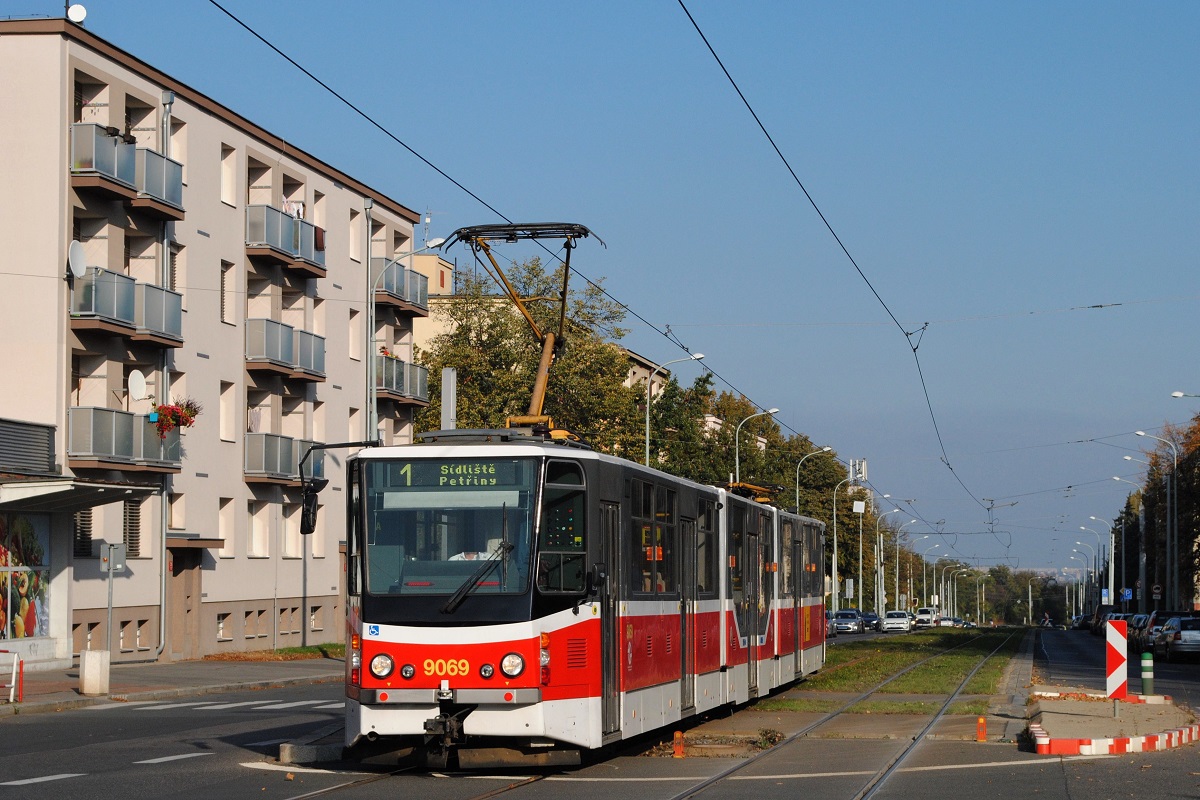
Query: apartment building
[163, 254]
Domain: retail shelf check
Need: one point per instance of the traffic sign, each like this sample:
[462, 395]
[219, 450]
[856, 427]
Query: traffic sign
[1127, 594]
[1115, 658]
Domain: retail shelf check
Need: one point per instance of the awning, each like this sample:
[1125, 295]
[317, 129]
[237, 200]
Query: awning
[186, 541]
[66, 495]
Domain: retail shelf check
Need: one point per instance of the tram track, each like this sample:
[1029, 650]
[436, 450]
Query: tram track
[874, 778]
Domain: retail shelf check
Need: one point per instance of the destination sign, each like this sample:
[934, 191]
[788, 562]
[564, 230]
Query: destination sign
[461, 473]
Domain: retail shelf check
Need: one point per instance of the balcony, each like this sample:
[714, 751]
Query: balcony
[280, 238]
[272, 458]
[401, 382]
[114, 303]
[159, 183]
[107, 438]
[275, 347]
[101, 160]
[404, 289]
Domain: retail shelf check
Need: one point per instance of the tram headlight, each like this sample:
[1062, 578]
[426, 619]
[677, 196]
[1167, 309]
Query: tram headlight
[407, 671]
[382, 665]
[512, 665]
[487, 671]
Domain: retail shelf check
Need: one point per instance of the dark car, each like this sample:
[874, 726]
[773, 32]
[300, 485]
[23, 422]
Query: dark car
[848, 620]
[871, 621]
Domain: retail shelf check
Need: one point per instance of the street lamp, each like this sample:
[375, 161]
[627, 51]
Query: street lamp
[954, 590]
[650, 385]
[878, 562]
[1078, 593]
[896, 599]
[737, 461]
[942, 582]
[1172, 525]
[925, 575]
[1181, 394]
[1112, 544]
[824, 449]
[833, 571]
[372, 354]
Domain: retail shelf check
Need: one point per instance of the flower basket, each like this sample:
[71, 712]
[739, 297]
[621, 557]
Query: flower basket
[167, 418]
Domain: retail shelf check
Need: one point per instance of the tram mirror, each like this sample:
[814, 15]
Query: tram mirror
[308, 509]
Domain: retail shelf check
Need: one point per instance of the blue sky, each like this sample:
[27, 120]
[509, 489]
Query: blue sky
[993, 168]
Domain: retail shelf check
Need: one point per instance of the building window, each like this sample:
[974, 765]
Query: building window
[229, 180]
[131, 533]
[316, 620]
[82, 534]
[250, 625]
[225, 527]
[175, 509]
[228, 412]
[227, 306]
[259, 529]
[292, 541]
[223, 629]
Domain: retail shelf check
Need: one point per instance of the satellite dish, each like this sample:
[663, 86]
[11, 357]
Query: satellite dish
[137, 385]
[76, 259]
[77, 13]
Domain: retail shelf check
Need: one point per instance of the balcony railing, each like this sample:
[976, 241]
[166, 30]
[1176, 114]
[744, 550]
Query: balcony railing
[269, 226]
[96, 150]
[399, 377]
[158, 310]
[310, 352]
[305, 243]
[270, 455]
[159, 177]
[268, 340]
[109, 434]
[402, 283]
[104, 294]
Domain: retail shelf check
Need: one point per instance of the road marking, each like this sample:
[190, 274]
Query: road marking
[292, 768]
[174, 705]
[44, 778]
[577, 779]
[110, 706]
[1041, 762]
[330, 706]
[165, 759]
[223, 706]
[291, 705]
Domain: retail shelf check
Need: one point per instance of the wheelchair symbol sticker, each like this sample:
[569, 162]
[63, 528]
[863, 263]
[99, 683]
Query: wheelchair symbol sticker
[372, 631]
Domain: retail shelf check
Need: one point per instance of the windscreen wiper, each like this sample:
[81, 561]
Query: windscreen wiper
[495, 557]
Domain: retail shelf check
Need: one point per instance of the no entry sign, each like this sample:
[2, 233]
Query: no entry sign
[1115, 659]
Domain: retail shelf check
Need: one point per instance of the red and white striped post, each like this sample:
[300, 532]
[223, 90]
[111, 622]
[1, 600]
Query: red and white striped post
[1116, 659]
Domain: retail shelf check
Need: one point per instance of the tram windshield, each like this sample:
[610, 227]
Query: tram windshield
[431, 523]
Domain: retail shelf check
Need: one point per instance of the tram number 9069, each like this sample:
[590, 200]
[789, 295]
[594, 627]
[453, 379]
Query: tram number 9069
[447, 667]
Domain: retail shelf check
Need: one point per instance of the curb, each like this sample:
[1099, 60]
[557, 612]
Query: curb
[1104, 747]
[1140, 699]
[308, 750]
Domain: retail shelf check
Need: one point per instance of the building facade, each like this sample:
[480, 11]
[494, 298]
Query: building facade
[189, 305]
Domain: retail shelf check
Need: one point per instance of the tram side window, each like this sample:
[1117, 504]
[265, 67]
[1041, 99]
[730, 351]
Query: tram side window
[787, 536]
[654, 514]
[706, 545]
[737, 532]
[561, 542]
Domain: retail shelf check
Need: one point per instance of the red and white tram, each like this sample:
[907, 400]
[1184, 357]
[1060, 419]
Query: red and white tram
[517, 599]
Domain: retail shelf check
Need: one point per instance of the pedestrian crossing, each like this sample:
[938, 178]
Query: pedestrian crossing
[153, 706]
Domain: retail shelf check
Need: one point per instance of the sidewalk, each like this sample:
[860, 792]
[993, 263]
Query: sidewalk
[56, 690]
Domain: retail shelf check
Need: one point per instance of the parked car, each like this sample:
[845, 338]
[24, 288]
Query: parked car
[848, 620]
[1179, 636]
[1079, 622]
[871, 621]
[1135, 631]
[896, 621]
[830, 628]
[1155, 623]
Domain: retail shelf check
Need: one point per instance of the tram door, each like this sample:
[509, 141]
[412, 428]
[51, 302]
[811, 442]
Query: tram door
[752, 578]
[796, 579]
[687, 617]
[610, 640]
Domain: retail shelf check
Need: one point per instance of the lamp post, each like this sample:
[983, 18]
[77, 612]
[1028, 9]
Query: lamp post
[650, 386]
[925, 575]
[737, 460]
[942, 595]
[1141, 568]
[1092, 561]
[1172, 525]
[1112, 545]
[896, 586]
[878, 562]
[1078, 592]
[954, 589]
[372, 354]
[818, 451]
[833, 572]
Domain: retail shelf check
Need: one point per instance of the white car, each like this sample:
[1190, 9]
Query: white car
[897, 621]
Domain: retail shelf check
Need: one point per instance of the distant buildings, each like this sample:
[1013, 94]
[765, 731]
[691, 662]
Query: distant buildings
[158, 247]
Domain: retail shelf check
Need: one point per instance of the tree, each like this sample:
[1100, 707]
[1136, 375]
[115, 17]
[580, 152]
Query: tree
[496, 356]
